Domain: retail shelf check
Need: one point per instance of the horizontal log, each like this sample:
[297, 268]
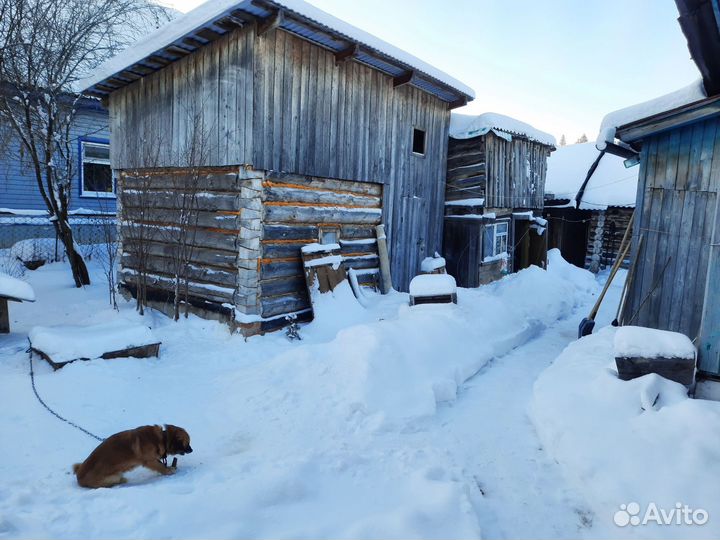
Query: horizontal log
[290, 232]
[313, 214]
[202, 238]
[352, 232]
[362, 250]
[360, 264]
[367, 187]
[466, 172]
[199, 274]
[228, 182]
[201, 291]
[203, 200]
[270, 269]
[213, 257]
[274, 287]
[282, 251]
[291, 195]
[199, 218]
[465, 158]
[277, 305]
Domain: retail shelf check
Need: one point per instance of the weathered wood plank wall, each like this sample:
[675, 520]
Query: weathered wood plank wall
[678, 188]
[279, 103]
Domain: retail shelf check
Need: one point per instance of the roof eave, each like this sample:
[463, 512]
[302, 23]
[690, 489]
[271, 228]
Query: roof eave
[239, 16]
[697, 111]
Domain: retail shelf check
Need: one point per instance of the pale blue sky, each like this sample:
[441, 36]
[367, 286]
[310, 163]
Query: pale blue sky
[557, 64]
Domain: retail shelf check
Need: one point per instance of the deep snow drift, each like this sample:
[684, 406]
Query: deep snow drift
[620, 442]
[366, 428]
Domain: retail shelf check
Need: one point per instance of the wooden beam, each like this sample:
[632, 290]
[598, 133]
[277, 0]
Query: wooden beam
[129, 75]
[230, 23]
[141, 70]
[159, 60]
[192, 42]
[177, 51]
[347, 53]
[459, 102]
[209, 34]
[245, 17]
[270, 23]
[405, 78]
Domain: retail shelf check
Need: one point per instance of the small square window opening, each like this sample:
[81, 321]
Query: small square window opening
[329, 236]
[418, 146]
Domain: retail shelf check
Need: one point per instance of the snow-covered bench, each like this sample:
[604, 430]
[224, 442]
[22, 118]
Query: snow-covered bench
[433, 289]
[639, 351]
[13, 290]
[60, 345]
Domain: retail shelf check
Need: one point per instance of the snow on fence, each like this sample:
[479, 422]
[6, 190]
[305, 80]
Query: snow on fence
[29, 241]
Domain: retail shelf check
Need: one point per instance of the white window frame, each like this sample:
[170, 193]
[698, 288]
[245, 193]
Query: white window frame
[83, 160]
[494, 255]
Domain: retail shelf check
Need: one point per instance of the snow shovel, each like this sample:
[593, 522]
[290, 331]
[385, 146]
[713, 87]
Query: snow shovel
[588, 323]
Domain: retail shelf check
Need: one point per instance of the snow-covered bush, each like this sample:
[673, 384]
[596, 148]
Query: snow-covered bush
[35, 252]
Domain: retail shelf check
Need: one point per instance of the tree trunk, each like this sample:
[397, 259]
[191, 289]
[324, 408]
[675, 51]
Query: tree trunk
[77, 264]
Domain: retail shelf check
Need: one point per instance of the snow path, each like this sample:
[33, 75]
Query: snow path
[523, 492]
[286, 441]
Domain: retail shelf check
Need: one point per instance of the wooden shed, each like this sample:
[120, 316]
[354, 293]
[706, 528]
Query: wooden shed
[494, 197]
[290, 127]
[589, 199]
[676, 232]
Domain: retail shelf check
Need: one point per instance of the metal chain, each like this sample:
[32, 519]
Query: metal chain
[32, 380]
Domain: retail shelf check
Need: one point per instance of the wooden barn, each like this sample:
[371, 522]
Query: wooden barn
[494, 197]
[589, 199]
[288, 127]
[676, 233]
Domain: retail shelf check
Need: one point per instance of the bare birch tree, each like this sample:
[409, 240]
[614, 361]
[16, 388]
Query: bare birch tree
[46, 46]
[186, 191]
[137, 220]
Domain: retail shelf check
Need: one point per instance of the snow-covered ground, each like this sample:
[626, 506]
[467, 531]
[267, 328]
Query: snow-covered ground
[385, 421]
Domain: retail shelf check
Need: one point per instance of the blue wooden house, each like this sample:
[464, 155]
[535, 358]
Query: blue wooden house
[93, 188]
[676, 234]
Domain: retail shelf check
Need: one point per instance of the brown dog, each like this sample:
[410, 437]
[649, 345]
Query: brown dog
[144, 446]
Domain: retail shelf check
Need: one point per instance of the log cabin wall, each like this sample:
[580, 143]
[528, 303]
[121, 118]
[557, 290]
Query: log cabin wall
[605, 233]
[150, 203]
[246, 231]
[507, 174]
[277, 102]
[677, 212]
[297, 211]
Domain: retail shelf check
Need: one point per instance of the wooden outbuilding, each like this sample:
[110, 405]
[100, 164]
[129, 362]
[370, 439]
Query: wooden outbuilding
[290, 127]
[589, 199]
[494, 197]
[676, 232]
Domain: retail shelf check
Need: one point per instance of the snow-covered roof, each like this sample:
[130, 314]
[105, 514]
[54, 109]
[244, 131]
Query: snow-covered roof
[302, 19]
[463, 126]
[611, 184]
[679, 98]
